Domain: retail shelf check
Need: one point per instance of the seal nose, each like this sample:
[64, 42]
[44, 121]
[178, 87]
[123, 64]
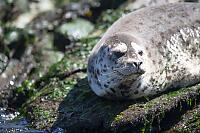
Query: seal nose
[137, 64]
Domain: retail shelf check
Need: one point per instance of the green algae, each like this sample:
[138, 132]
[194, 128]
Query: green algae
[193, 122]
[56, 85]
[160, 105]
[119, 117]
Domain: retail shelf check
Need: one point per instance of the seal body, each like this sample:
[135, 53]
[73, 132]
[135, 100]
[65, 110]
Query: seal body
[147, 52]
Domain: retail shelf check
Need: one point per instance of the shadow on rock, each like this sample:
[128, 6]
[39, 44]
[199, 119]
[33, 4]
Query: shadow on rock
[83, 111]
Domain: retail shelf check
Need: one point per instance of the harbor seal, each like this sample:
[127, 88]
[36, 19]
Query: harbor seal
[147, 52]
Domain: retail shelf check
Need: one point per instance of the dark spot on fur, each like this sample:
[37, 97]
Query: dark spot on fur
[91, 69]
[113, 90]
[164, 46]
[101, 59]
[160, 62]
[123, 87]
[98, 72]
[197, 21]
[110, 58]
[139, 84]
[104, 65]
[194, 51]
[162, 53]
[184, 14]
[95, 75]
[136, 92]
[152, 40]
[171, 31]
[174, 70]
[160, 85]
[140, 53]
[104, 70]
[152, 79]
[147, 48]
[170, 15]
[169, 77]
[108, 82]
[149, 55]
[162, 34]
[154, 61]
[105, 85]
[145, 88]
[141, 23]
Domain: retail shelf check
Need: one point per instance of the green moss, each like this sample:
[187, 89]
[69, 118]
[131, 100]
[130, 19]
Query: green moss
[75, 60]
[195, 119]
[119, 117]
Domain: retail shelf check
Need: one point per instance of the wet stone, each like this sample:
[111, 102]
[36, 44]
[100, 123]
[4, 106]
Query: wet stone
[77, 29]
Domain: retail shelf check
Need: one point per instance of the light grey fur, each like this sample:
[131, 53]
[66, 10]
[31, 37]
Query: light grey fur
[148, 51]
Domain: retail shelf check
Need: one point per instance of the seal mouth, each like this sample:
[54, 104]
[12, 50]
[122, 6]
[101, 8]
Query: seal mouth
[127, 71]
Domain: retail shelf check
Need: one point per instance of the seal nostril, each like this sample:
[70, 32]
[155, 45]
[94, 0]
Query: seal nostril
[137, 64]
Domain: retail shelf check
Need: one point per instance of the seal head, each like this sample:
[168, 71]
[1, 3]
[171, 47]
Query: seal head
[116, 65]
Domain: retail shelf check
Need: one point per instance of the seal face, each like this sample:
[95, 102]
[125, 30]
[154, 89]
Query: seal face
[140, 56]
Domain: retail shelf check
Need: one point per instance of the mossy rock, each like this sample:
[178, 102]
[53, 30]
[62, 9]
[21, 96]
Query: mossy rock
[64, 99]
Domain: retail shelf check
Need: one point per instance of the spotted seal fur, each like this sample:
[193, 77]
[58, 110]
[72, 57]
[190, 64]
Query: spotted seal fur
[147, 52]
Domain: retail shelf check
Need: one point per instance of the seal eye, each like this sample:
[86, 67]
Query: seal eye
[118, 54]
[140, 53]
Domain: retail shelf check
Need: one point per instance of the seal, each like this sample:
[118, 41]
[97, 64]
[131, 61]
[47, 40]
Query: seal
[147, 52]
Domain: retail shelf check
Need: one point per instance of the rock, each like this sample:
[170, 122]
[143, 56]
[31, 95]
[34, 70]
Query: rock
[56, 97]
[77, 29]
[189, 122]
[70, 104]
[30, 10]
